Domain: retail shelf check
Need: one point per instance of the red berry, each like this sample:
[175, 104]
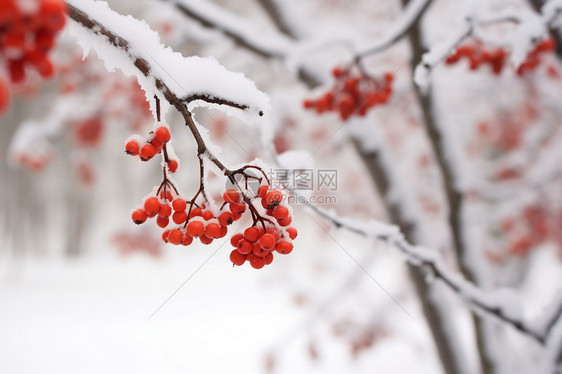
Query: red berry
[337, 72]
[275, 234]
[307, 103]
[132, 148]
[157, 144]
[284, 247]
[207, 215]
[147, 152]
[195, 228]
[251, 234]
[187, 240]
[162, 221]
[45, 68]
[139, 216]
[245, 246]
[165, 210]
[179, 217]
[179, 205]
[237, 208]
[262, 191]
[152, 206]
[226, 219]
[175, 237]
[17, 70]
[224, 231]
[259, 251]
[346, 106]
[165, 236]
[54, 11]
[274, 198]
[292, 232]
[205, 239]
[237, 258]
[285, 221]
[172, 166]
[195, 212]
[268, 258]
[236, 239]
[267, 241]
[256, 262]
[162, 134]
[4, 97]
[281, 212]
[231, 196]
[213, 230]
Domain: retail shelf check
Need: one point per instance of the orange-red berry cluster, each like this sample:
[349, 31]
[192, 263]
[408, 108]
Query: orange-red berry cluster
[353, 94]
[148, 147]
[257, 244]
[477, 56]
[196, 222]
[27, 34]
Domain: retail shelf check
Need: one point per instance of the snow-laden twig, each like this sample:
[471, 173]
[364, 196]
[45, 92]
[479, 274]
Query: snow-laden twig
[497, 305]
[412, 13]
[128, 44]
[266, 44]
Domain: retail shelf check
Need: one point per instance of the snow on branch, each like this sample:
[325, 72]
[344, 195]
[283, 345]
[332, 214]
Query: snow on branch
[210, 15]
[500, 305]
[531, 27]
[128, 44]
[414, 10]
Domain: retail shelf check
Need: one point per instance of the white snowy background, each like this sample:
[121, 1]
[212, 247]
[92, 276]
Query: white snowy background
[72, 302]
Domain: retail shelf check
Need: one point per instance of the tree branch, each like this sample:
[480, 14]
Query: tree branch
[212, 16]
[412, 13]
[479, 300]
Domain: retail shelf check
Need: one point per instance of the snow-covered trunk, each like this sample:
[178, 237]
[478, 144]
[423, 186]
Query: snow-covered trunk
[453, 194]
[437, 316]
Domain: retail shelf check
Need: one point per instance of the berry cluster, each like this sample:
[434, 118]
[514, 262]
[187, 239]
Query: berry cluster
[194, 220]
[27, 34]
[151, 145]
[257, 244]
[353, 93]
[478, 55]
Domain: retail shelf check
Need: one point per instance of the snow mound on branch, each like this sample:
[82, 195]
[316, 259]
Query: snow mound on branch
[184, 76]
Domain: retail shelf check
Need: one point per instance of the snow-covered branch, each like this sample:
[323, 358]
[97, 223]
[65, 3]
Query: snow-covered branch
[209, 15]
[128, 44]
[498, 305]
[414, 10]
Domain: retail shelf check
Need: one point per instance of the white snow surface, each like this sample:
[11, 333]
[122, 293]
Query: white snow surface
[184, 76]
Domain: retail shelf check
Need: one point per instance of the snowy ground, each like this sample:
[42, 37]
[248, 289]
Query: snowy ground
[90, 316]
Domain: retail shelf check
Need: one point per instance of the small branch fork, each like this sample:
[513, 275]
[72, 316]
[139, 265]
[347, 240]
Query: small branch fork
[181, 104]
